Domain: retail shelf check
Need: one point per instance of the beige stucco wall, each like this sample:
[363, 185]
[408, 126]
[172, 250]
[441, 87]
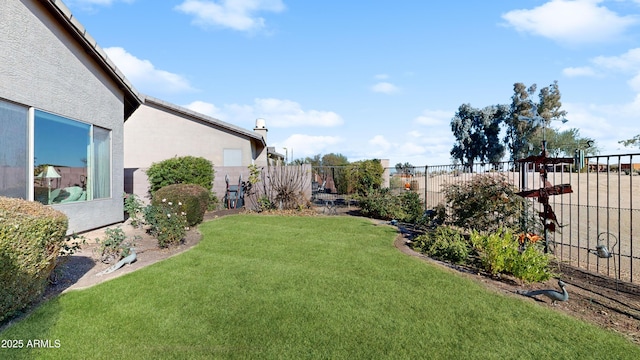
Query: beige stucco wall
[154, 134]
[43, 67]
[137, 182]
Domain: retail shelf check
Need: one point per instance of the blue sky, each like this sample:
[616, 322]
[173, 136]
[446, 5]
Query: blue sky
[378, 78]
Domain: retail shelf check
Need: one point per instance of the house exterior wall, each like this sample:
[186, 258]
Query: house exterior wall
[44, 67]
[137, 182]
[153, 134]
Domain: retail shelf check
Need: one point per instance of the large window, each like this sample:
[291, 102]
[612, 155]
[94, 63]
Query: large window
[71, 160]
[14, 146]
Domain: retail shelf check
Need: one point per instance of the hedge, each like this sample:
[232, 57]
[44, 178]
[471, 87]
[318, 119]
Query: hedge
[31, 236]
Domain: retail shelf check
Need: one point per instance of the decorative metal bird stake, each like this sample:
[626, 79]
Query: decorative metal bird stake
[550, 293]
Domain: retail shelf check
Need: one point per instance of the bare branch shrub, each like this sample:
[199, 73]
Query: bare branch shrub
[278, 187]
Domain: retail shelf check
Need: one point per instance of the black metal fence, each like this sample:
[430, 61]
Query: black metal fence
[599, 222]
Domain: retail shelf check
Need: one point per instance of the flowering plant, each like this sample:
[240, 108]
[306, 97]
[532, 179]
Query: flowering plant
[167, 222]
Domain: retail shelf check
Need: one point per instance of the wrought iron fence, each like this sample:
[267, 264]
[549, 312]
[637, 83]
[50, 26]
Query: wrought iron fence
[602, 211]
[598, 222]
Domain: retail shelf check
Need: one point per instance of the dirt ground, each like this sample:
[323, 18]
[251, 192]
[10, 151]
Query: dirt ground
[82, 269]
[593, 298]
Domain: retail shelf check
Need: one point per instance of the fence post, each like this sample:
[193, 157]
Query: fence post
[426, 182]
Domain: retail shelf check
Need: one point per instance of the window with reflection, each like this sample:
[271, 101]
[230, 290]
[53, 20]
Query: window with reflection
[14, 146]
[71, 160]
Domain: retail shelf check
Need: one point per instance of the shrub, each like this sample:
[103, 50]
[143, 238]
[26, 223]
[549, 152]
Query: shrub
[485, 203]
[31, 238]
[277, 187]
[383, 204]
[133, 207]
[412, 207]
[166, 223]
[115, 245]
[180, 170]
[444, 243]
[500, 252]
[191, 199]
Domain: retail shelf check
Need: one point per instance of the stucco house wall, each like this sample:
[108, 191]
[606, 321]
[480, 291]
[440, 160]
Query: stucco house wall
[49, 62]
[159, 130]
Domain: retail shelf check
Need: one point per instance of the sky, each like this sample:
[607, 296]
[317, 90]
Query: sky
[378, 78]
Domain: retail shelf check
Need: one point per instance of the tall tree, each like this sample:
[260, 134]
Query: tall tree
[405, 168]
[522, 128]
[634, 141]
[477, 134]
[496, 115]
[518, 130]
[332, 166]
[332, 159]
[563, 143]
[365, 176]
[550, 105]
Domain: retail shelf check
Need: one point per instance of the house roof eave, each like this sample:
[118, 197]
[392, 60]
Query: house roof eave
[132, 99]
[205, 118]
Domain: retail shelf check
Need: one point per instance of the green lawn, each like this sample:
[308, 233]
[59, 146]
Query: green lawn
[302, 287]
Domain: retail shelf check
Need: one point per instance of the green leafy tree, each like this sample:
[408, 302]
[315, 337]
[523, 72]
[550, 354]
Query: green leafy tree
[331, 166]
[562, 143]
[477, 134]
[519, 130]
[523, 132]
[495, 116]
[634, 141]
[365, 176]
[405, 168]
[550, 105]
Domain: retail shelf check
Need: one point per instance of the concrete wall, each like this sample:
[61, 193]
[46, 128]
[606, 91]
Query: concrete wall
[44, 67]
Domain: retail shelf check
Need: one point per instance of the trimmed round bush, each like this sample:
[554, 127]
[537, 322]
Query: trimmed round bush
[31, 237]
[180, 170]
[194, 200]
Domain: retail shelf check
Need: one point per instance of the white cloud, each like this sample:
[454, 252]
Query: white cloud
[234, 14]
[606, 124]
[308, 145]
[634, 83]
[579, 71]
[571, 21]
[144, 76]
[278, 113]
[380, 143]
[287, 113]
[385, 88]
[204, 108]
[629, 61]
[412, 149]
[434, 118]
